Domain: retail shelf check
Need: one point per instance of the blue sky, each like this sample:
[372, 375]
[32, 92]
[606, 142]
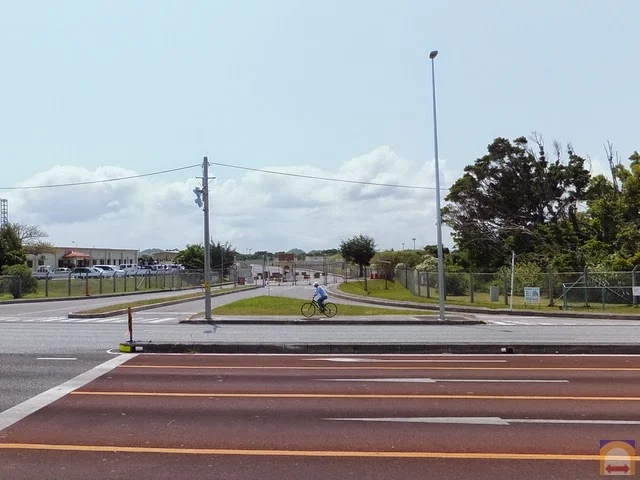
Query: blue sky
[143, 86]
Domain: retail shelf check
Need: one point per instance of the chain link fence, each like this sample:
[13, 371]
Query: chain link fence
[563, 289]
[70, 286]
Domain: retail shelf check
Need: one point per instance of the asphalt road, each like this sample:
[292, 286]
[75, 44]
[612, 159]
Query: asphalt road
[318, 417]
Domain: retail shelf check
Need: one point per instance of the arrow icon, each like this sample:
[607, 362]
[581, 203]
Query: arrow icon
[617, 468]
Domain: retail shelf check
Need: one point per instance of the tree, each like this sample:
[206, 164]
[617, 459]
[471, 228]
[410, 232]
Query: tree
[191, 257]
[502, 200]
[359, 250]
[145, 259]
[11, 248]
[222, 255]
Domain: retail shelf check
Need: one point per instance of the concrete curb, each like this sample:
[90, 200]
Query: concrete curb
[334, 321]
[168, 303]
[495, 311]
[376, 348]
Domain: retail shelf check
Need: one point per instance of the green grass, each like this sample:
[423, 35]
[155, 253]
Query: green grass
[395, 291]
[77, 287]
[140, 303]
[154, 301]
[265, 305]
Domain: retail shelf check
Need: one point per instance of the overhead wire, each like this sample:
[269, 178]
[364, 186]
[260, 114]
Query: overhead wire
[272, 172]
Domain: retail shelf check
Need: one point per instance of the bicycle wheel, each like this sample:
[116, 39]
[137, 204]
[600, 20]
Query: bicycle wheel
[308, 309]
[330, 309]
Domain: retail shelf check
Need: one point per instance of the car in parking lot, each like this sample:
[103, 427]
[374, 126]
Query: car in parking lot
[109, 270]
[86, 272]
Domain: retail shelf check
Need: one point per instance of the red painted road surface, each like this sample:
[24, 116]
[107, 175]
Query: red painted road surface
[324, 417]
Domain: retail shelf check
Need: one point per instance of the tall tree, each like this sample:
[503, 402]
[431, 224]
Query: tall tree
[191, 257]
[11, 248]
[359, 250]
[505, 196]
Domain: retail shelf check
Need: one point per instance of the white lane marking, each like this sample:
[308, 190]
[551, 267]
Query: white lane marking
[56, 358]
[487, 420]
[438, 380]
[577, 422]
[20, 411]
[351, 359]
[159, 320]
[462, 420]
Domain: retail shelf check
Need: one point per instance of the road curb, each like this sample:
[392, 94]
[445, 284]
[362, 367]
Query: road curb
[483, 310]
[377, 348]
[115, 313]
[331, 321]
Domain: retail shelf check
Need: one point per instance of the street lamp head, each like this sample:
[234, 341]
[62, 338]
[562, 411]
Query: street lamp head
[433, 54]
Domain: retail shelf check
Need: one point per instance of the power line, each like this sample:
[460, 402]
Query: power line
[272, 172]
[93, 182]
[312, 177]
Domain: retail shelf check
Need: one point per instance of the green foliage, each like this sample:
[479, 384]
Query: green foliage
[501, 200]
[191, 257]
[18, 281]
[527, 274]
[11, 248]
[359, 250]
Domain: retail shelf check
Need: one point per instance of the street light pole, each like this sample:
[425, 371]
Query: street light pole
[441, 285]
[207, 248]
[414, 243]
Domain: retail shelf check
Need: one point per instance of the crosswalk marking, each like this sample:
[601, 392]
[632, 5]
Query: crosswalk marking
[152, 320]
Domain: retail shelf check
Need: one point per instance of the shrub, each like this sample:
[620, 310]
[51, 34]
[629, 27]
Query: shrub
[18, 280]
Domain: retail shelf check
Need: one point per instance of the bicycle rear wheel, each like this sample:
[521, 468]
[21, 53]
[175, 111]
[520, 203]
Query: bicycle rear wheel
[308, 309]
[330, 309]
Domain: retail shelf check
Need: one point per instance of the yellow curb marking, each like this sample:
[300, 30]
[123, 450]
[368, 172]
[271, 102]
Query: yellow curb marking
[351, 396]
[309, 453]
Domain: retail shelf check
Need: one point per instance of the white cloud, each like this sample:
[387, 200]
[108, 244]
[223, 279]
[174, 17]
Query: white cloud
[255, 210]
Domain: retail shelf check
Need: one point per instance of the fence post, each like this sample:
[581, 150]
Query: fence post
[633, 284]
[550, 284]
[115, 277]
[69, 284]
[471, 286]
[419, 282]
[586, 286]
[46, 285]
[564, 297]
[506, 289]
[125, 282]
[428, 286]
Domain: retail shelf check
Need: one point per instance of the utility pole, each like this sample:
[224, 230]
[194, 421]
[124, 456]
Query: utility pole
[204, 204]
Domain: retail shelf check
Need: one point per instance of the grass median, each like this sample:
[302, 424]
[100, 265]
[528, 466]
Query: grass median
[391, 290]
[265, 305]
[155, 301]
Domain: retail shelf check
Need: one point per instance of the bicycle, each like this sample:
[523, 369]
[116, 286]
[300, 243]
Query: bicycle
[309, 309]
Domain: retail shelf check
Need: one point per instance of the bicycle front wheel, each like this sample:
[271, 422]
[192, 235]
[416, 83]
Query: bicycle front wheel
[308, 309]
[330, 309]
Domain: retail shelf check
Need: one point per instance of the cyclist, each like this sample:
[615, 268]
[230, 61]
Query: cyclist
[322, 295]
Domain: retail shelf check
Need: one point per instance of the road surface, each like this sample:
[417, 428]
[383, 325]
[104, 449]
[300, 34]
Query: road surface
[318, 417]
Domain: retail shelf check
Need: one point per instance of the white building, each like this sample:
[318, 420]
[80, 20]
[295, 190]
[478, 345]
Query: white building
[83, 257]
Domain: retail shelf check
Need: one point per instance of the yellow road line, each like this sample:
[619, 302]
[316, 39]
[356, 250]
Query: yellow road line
[311, 453]
[351, 396]
[372, 367]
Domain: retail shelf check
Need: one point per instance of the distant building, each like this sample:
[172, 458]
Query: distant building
[83, 257]
[164, 256]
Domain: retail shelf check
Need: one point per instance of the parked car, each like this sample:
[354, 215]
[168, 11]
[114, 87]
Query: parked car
[62, 271]
[84, 272]
[109, 270]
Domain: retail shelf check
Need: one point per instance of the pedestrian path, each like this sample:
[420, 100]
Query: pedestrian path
[119, 319]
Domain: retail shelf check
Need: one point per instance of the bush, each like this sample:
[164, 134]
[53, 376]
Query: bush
[18, 280]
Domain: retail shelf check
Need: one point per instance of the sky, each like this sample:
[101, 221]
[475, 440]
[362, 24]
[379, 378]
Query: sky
[94, 91]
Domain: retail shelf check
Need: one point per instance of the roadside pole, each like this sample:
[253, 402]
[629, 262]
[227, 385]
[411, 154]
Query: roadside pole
[207, 252]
